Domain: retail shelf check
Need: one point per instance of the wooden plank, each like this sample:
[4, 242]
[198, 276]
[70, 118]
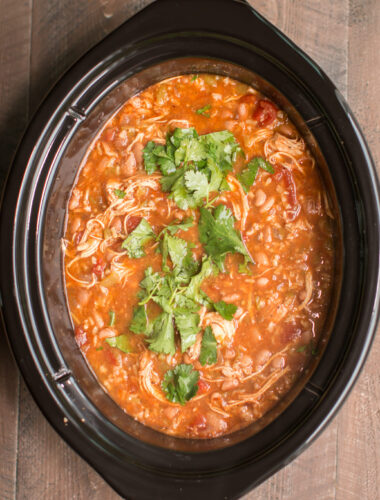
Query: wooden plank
[14, 80]
[323, 34]
[359, 423]
[64, 30]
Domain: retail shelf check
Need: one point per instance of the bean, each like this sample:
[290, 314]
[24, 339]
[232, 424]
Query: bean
[116, 224]
[216, 423]
[263, 356]
[243, 111]
[261, 259]
[260, 198]
[261, 282]
[75, 225]
[246, 360]
[98, 319]
[138, 152]
[82, 297]
[267, 205]
[229, 353]
[171, 412]
[229, 384]
[129, 165]
[107, 332]
[278, 362]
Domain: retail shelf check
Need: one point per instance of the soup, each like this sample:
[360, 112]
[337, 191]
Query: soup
[198, 256]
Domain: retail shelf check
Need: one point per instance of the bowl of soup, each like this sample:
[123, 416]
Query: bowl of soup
[194, 254]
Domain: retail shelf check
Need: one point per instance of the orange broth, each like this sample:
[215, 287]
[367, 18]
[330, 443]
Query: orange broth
[285, 223]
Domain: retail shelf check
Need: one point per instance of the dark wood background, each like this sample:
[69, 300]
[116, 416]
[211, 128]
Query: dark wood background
[39, 40]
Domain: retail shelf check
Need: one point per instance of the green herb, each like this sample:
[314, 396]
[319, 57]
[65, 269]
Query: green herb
[208, 355]
[187, 323]
[204, 111]
[217, 233]
[119, 193]
[120, 342]
[112, 316]
[227, 311]
[193, 78]
[162, 339]
[99, 348]
[193, 166]
[139, 322]
[248, 175]
[180, 384]
[134, 243]
[183, 226]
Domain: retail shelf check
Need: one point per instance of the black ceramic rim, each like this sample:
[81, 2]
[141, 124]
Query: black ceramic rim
[240, 35]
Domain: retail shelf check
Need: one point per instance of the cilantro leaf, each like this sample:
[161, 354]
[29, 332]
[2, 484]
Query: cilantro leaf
[139, 322]
[209, 354]
[218, 235]
[193, 78]
[180, 384]
[204, 111]
[197, 184]
[119, 193]
[248, 175]
[227, 311]
[135, 241]
[177, 248]
[187, 323]
[193, 290]
[192, 166]
[162, 339]
[183, 226]
[120, 342]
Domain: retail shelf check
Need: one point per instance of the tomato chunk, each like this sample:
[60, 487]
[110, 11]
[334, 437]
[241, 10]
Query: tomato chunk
[99, 267]
[203, 386]
[133, 222]
[265, 113]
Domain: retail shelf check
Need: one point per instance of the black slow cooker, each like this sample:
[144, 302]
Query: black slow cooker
[168, 38]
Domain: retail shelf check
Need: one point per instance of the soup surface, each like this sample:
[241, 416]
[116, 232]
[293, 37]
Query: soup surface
[198, 256]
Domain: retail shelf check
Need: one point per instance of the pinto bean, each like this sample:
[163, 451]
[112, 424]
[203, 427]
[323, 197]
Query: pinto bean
[263, 356]
[98, 319]
[261, 282]
[243, 111]
[171, 412]
[75, 225]
[107, 332]
[260, 198]
[229, 353]
[138, 152]
[261, 259]
[278, 362]
[116, 224]
[267, 205]
[83, 297]
[216, 423]
[230, 384]
[128, 167]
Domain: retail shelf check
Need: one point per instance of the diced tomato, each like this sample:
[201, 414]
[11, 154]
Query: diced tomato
[265, 113]
[109, 356]
[290, 332]
[203, 386]
[80, 336]
[133, 222]
[99, 267]
[282, 173]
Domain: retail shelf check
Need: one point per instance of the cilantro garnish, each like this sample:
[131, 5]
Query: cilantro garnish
[218, 235]
[112, 316]
[134, 243]
[193, 78]
[249, 174]
[120, 342]
[204, 111]
[119, 193]
[139, 322]
[192, 166]
[180, 384]
[208, 355]
[227, 311]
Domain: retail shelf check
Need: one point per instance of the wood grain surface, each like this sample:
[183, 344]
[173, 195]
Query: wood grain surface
[39, 40]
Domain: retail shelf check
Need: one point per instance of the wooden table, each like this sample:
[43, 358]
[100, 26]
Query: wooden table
[39, 40]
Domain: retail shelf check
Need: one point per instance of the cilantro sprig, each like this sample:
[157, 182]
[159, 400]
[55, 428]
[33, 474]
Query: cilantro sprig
[136, 240]
[218, 235]
[192, 166]
[204, 111]
[180, 384]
